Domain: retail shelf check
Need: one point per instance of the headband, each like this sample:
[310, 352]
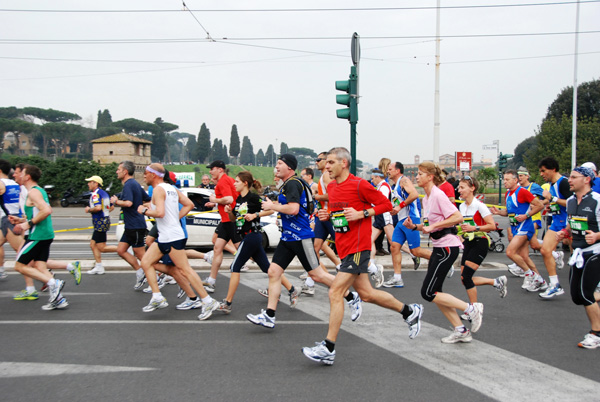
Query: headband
[523, 172]
[586, 172]
[156, 172]
[377, 174]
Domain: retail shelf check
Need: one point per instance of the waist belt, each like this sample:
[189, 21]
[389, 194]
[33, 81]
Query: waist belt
[441, 233]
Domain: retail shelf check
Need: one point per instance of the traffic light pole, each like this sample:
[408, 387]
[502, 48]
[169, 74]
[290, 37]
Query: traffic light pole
[353, 116]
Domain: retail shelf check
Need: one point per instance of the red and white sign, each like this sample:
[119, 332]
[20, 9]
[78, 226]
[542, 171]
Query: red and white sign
[463, 161]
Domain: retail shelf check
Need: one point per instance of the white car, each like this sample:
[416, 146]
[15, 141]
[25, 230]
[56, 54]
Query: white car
[202, 221]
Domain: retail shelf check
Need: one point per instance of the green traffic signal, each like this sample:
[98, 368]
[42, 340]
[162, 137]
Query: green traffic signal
[343, 99]
[349, 99]
[342, 86]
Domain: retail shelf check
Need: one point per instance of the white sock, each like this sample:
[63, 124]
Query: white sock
[309, 282]
[461, 329]
[554, 280]
[51, 282]
[30, 289]
[98, 265]
[337, 267]
[139, 273]
[529, 273]
[372, 268]
[156, 296]
[70, 267]
[555, 255]
[397, 277]
[211, 281]
[469, 309]
[207, 300]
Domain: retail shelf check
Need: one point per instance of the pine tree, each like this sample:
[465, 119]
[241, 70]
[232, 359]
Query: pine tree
[260, 158]
[234, 142]
[270, 156]
[283, 149]
[203, 148]
[247, 152]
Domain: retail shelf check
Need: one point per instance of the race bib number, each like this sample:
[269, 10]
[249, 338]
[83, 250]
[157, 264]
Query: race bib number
[425, 222]
[396, 201]
[239, 221]
[578, 223]
[339, 222]
[469, 221]
[512, 218]
[554, 208]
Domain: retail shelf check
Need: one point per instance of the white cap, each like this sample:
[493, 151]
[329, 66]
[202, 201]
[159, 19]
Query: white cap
[590, 165]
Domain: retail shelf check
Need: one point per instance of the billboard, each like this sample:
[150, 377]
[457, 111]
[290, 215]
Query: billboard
[189, 176]
[463, 161]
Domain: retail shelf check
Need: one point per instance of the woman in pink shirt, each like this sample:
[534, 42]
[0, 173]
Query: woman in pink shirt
[439, 219]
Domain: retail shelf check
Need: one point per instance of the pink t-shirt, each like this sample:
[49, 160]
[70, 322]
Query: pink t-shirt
[436, 208]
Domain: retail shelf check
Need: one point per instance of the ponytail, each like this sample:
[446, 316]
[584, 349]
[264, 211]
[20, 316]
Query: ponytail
[434, 170]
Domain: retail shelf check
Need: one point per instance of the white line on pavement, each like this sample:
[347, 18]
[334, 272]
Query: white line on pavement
[135, 322]
[19, 369]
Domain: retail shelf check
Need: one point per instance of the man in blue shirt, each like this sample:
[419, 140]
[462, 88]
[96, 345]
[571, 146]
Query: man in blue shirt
[100, 208]
[596, 181]
[134, 235]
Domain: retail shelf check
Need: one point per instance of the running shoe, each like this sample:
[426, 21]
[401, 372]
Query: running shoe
[139, 283]
[528, 281]
[161, 284]
[245, 268]
[262, 319]
[465, 317]
[538, 285]
[516, 270]
[155, 304]
[44, 287]
[457, 336]
[208, 257]
[25, 295]
[416, 262]
[210, 288]
[97, 270]
[294, 297]
[56, 305]
[307, 290]
[304, 275]
[450, 272]
[55, 290]
[355, 306]
[181, 293]
[500, 285]
[189, 304]
[207, 309]
[560, 260]
[377, 276]
[414, 320]
[3, 275]
[265, 293]
[552, 291]
[476, 317]
[76, 272]
[224, 307]
[169, 280]
[590, 341]
[319, 353]
[393, 283]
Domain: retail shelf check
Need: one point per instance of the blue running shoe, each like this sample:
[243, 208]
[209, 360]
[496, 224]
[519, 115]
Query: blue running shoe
[319, 353]
[76, 272]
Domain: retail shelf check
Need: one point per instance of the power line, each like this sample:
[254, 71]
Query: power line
[285, 10]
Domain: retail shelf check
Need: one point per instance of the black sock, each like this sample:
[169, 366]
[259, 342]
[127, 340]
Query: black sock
[349, 297]
[194, 298]
[406, 311]
[228, 303]
[597, 333]
[271, 312]
[292, 289]
[329, 345]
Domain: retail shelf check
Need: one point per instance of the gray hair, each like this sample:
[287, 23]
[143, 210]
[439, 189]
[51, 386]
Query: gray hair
[341, 153]
[129, 166]
[205, 175]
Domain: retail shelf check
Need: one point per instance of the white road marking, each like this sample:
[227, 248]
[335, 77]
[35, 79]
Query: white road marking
[6, 293]
[145, 322]
[19, 369]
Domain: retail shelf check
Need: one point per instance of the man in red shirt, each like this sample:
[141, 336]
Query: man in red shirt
[225, 194]
[350, 202]
[447, 188]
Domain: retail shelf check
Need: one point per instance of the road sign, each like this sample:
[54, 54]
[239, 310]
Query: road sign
[463, 161]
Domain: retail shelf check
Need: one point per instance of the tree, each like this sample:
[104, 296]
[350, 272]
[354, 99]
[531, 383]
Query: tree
[137, 127]
[191, 148]
[104, 119]
[247, 152]
[234, 142]
[484, 177]
[283, 149]
[527, 145]
[203, 144]
[16, 127]
[588, 102]
[260, 158]
[48, 116]
[160, 144]
[270, 157]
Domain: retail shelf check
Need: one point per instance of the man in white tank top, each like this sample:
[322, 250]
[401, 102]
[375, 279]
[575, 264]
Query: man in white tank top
[164, 208]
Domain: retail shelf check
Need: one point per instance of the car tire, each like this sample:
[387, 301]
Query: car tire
[265, 241]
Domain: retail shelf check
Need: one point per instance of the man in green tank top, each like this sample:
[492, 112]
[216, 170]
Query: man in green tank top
[37, 248]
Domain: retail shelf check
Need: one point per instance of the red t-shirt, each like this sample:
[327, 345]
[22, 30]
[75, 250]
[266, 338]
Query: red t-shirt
[523, 197]
[225, 187]
[447, 189]
[359, 194]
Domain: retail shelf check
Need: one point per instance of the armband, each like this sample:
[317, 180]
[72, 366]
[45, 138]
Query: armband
[402, 204]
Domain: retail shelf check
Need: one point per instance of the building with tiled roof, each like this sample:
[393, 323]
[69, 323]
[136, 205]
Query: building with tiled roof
[120, 147]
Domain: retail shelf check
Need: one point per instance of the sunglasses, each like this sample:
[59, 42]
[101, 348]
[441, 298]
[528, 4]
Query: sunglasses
[319, 159]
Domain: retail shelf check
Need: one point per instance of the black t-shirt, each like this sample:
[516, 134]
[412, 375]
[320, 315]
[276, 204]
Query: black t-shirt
[250, 204]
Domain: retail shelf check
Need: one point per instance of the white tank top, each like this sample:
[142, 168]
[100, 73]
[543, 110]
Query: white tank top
[169, 226]
[11, 197]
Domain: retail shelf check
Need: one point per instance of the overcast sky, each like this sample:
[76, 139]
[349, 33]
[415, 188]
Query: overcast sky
[263, 74]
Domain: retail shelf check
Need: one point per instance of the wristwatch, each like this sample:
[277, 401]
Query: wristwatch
[477, 228]
[366, 213]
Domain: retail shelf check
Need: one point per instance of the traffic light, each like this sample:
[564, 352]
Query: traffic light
[503, 160]
[349, 86]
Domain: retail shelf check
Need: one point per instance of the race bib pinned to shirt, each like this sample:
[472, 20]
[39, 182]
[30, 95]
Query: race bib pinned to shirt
[469, 221]
[578, 223]
[425, 221]
[554, 208]
[339, 222]
[512, 218]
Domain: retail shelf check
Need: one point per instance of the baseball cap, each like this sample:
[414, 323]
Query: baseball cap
[523, 170]
[97, 179]
[289, 160]
[590, 165]
[217, 164]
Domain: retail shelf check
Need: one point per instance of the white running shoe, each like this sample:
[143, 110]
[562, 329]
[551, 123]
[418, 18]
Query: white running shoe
[294, 296]
[57, 305]
[97, 270]
[208, 257]
[262, 319]
[500, 286]
[189, 304]
[528, 281]
[161, 284]
[304, 275]
[538, 285]
[245, 268]
[457, 336]
[476, 317]
[516, 270]
[552, 291]
[207, 310]
[590, 341]
[355, 306]
[451, 272]
[55, 290]
[307, 290]
[319, 353]
[155, 304]
[393, 283]
[560, 260]
[414, 320]
[169, 280]
[378, 276]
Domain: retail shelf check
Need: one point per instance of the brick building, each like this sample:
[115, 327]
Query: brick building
[120, 147]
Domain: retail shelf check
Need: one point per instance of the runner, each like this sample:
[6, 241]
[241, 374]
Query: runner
[583, 210]
[135, 231]
[440, 217]
[404, 198]
[100, 209]
[382, 223]
[171, 239]
[557, 196]
[9, 205]
[596, 185]
[296, 241]
[478, 221]
[225, 194]
[520, 206]
[37, 248]
[353, 201]
[246, 215]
